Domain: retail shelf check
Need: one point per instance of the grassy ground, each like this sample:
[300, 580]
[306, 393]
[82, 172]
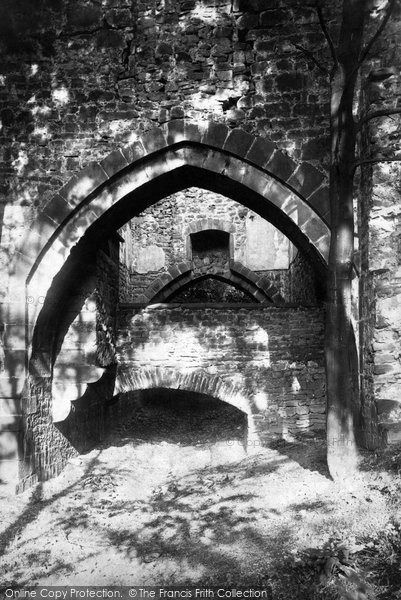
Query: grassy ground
[186, 504]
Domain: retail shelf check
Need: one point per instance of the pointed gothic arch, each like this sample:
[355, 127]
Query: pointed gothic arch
[105, 195]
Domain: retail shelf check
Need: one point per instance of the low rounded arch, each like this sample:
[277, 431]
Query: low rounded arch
[200, 382]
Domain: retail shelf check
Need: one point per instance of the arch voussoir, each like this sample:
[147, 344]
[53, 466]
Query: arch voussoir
[306, 179]
[320, 201]
[281, 196]
[215, 135]
[257, 181]
[133, 152]
[57, 209]
[208, 159]
[240, 276]
[260, 152]
[199, 382]
[175, 131]
[153, 140]
[215, 161]
[236, 169]
[238, 142]
[281, 166]
[323, 244]
[114, 162]
[193, 131]
[83, 184]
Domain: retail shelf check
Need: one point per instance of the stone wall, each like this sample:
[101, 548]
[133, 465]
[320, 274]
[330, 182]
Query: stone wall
[160, 239]
[81, 78]
[274, 354]
[380, 234]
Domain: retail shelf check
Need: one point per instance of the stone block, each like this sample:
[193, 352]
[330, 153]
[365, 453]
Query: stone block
[248, 21]
[215, 135]
[273, 18]
[281, 165]
[315, 148]
[261, 151]
[114, 162]
[235, 169]
[291, 82]
[153, 140]
[133, 152]
[57, 209]
[277, 193]
[83, 184]
[323, 245]
[307, 179]
[314, 229]
[320, 201]
[192, 132]
[110, 39]
[88, 17]
[238, 142]
[175, 131]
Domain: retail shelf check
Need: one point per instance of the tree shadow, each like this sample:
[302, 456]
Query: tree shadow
[35, 506]
[210, 523]
[307, 449]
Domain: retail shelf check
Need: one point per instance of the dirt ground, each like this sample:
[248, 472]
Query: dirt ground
[186, 504]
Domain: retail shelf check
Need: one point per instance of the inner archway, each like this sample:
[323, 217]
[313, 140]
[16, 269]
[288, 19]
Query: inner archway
[177, 416]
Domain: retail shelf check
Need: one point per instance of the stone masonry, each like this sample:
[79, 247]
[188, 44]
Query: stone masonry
[274, 355]
[128, 116]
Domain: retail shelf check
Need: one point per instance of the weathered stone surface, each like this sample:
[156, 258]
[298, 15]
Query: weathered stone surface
[238, 142]
[276, 352]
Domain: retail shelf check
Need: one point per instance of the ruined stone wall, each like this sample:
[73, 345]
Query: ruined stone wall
[159, 239]
[380, 235]
[274, 354]
[78, 79]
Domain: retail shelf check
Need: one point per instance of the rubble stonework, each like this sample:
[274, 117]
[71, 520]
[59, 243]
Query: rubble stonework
[274, 355]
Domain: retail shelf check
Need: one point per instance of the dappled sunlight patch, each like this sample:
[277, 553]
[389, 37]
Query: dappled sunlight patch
[41, 132]
[20, 162]
[119, 515]
[61, 96]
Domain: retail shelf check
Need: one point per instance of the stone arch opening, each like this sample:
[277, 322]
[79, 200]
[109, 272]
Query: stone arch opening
[210, 224]
[101, 215]
[199, 384]
[249, 288]
[176, 415]
[56, 263]
[195, 427]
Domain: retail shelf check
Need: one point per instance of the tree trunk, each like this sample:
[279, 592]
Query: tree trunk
[341, 446]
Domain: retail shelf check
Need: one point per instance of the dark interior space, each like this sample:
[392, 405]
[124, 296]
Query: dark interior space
[175, 416]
